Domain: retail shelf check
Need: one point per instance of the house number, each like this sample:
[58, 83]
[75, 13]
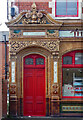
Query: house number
[13, 72]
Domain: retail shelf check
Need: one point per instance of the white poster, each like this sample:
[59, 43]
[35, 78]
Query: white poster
[13, 72]
[55, 72]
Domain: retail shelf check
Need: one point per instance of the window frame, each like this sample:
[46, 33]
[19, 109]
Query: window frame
[65, 57]
[73, 65]
[66, 10]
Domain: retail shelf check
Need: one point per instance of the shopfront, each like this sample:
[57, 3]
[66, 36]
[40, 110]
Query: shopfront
[46, 66]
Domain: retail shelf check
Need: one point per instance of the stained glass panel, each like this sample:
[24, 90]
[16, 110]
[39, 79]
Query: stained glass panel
[29, 61]
[39, 61]
[79, 58]
[67, 60]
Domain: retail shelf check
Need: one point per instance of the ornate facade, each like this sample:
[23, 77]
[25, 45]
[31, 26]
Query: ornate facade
[35, 33]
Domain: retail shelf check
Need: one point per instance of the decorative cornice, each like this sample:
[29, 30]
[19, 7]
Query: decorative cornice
[51, 45]
[48, 34]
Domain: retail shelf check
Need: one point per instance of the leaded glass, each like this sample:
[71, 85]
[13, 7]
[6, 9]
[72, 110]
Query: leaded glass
[67, 60]
[39, 61]
[79, 58]
[29, 61]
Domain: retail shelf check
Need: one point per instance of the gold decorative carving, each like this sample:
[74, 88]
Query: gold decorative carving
[55, 89]
[20, 34]
[51, 45]
[12, 88]
[34, 16]
[55, 34]
[15, 35]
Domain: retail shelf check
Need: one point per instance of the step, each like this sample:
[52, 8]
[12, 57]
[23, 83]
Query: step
[43, 118]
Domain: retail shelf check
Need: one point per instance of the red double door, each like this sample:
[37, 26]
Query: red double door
[34, 86]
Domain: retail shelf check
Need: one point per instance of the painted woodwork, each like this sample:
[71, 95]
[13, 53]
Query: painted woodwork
[50, 47]
[34, 86]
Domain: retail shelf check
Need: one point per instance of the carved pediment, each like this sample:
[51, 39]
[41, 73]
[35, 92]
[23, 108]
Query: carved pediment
[33, 16]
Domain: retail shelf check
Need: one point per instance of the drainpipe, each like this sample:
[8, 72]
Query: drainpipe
[5, 57]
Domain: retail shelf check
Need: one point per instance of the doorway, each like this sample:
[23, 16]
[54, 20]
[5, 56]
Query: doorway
[34, 100]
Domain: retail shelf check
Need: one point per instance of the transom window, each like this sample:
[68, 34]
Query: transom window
[39, 61]
[67, 60]
[79, 58]
[67, 8]
[29, 61]
[34, 60]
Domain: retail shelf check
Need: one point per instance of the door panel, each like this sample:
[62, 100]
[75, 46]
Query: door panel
[40, 91]
[34, 88]
[28, 91]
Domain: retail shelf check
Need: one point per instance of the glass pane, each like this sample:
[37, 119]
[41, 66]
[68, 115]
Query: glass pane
[29, 61]
[72, 8]
[39, 61]
[67, 60]
[61, 7]
[72, 81]
[79, 58]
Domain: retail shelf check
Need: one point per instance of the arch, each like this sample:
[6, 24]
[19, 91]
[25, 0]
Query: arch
[20, 56]
[34, 102]
[70, 50]
[33, 46]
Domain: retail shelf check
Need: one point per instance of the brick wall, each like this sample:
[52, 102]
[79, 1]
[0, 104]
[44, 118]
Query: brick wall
[0, 81]
[4, 82]
[40, 6]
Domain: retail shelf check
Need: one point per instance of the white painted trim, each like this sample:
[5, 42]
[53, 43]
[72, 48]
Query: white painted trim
[52, 5]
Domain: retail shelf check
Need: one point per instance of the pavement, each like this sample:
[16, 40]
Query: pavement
[43, 118]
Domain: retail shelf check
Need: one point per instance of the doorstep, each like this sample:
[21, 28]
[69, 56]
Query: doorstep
[43, 118]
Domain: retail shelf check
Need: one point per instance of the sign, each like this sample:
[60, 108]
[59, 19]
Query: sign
[66, 34]
[34, 33]
[55, 72]
[13, 72]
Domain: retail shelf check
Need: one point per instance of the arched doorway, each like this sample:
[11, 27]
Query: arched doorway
[34, 85]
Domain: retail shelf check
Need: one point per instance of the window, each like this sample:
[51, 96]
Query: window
[79, 58]
[72, 74]
[73, 82]
[67, 60]
[39, 61]
[66, 8]
[29, 61]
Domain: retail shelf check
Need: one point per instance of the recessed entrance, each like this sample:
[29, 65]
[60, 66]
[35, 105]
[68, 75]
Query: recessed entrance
[34, 85]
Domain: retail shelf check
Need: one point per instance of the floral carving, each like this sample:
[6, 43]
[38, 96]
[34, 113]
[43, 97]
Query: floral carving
[14, 35]
[12, 88]
[52, 45]
[55, 34]
[55, 89]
